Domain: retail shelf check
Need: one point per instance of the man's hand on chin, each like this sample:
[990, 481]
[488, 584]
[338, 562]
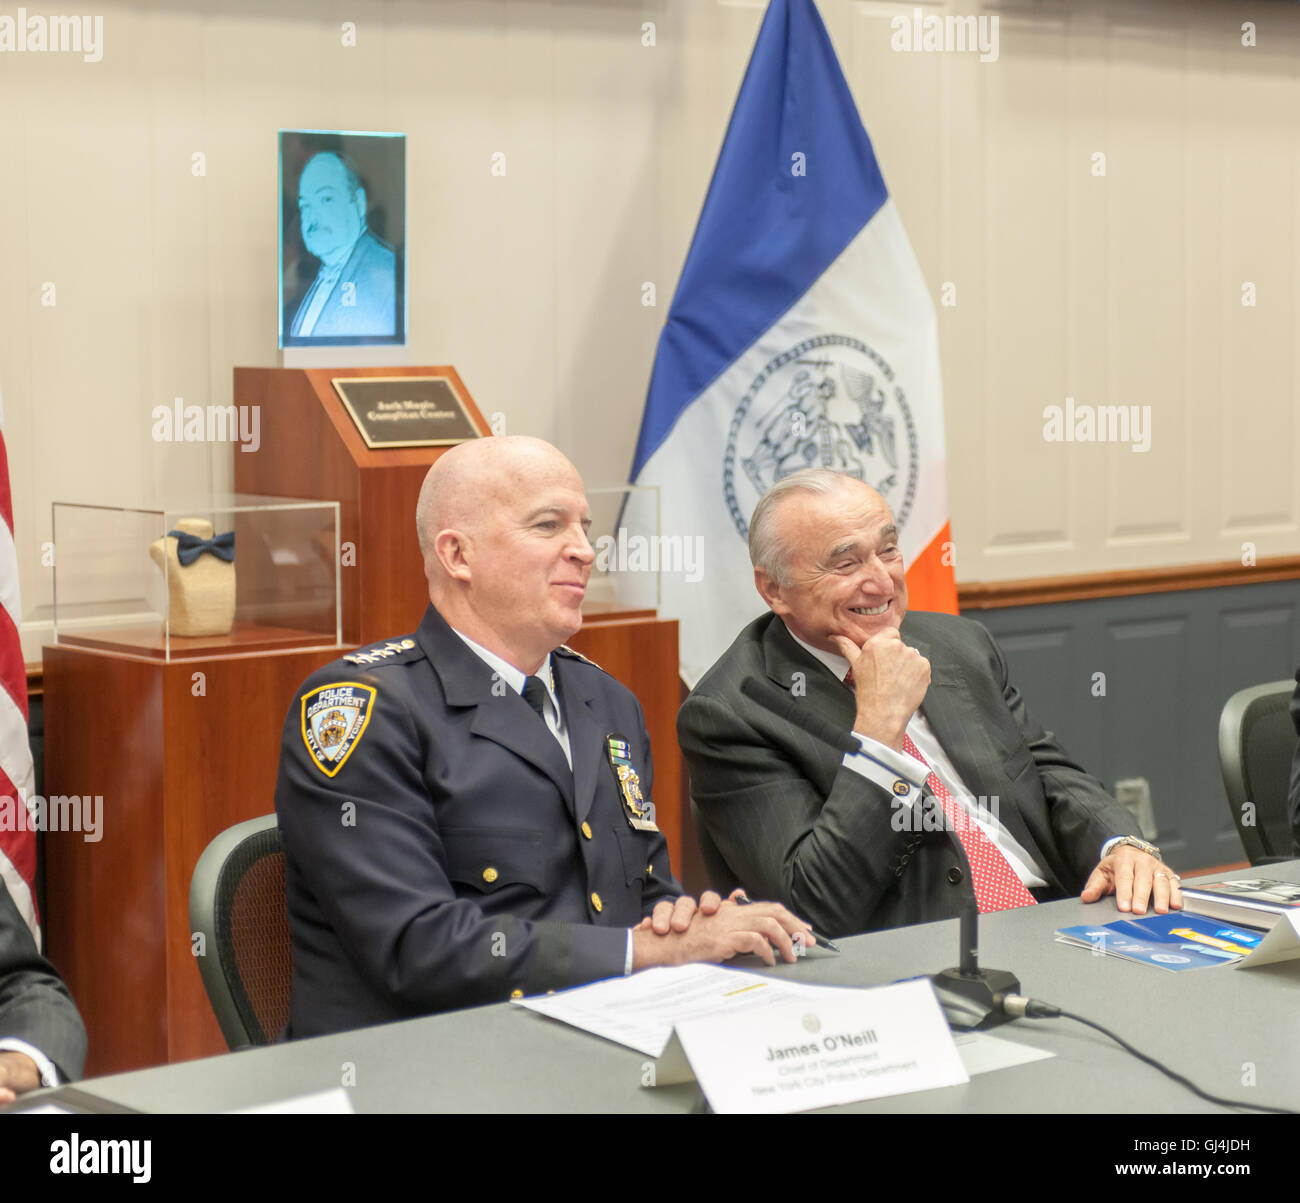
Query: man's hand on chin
[1134, 877]
[715, 930]
[890, 680]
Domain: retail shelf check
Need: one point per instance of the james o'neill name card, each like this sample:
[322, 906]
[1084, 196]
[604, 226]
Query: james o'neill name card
[840, 1047]
[406, 411]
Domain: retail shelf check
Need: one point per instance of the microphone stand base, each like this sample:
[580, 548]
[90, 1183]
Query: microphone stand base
[972, 1001]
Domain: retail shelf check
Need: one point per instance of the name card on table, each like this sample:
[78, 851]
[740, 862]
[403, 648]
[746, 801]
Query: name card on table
[821, 1051]
[1281, 944]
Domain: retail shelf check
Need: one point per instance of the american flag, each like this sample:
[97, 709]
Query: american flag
[17, 773]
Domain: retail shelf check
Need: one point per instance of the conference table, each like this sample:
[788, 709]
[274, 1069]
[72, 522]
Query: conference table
[1222, 1027]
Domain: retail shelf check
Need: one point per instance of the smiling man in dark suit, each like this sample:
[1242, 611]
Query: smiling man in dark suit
[862, 840]
[466, 811]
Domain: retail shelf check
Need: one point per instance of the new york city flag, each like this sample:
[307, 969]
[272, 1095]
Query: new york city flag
[801, 335]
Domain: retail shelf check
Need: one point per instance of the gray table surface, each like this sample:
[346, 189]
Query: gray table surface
[1221, 1027]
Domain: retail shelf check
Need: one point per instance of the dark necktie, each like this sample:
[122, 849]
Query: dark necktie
[535, 695]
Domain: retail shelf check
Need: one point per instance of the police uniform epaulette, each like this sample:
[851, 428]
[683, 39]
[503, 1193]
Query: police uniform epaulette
[387, 650]
[566, 650]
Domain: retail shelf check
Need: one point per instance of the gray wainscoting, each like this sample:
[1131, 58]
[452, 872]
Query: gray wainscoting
[1170, 661]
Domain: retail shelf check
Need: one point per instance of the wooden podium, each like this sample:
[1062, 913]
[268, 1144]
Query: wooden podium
[311, 448]
[176, 767]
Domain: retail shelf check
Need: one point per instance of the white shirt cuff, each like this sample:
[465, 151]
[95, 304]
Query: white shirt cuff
[896, 772]
[627, 959]
[44, 1066]
[1108, 845]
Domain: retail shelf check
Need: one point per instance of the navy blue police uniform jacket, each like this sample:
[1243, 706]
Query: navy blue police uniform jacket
[439, 851]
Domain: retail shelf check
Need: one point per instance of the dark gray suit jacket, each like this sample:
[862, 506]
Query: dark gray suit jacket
[793, 824]
[35, 1005]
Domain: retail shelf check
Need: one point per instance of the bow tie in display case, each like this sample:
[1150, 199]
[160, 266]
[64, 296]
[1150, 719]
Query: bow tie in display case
[180, 635]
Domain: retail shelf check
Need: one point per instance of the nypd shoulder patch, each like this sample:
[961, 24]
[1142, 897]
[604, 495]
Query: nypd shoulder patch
[334, 717]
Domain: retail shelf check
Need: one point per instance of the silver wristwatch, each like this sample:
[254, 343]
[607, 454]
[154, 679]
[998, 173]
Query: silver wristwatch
[1140, 845]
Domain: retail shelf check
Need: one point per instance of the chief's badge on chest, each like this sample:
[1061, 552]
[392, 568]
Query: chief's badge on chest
[635, 808]
[333, 718]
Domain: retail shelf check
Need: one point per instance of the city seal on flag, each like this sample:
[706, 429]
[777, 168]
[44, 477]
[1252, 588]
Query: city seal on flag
[333, 719]
[828, 402]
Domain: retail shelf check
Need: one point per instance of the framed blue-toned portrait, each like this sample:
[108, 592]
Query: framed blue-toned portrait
[342, 238]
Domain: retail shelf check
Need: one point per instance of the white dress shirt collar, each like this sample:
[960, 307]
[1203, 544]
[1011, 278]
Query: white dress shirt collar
[552, 715]
[511, 675]
[833, 660]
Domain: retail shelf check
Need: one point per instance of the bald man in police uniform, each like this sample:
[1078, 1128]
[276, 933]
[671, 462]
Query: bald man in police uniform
[466, 810]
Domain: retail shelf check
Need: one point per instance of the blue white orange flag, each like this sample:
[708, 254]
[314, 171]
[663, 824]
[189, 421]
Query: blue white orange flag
[801, 335]
[17, 773]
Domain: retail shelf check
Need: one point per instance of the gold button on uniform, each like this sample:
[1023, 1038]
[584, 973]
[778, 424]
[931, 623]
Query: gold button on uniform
[516, 994]
[596, 902]
[490, 875]
[586, 829]
[649, 870]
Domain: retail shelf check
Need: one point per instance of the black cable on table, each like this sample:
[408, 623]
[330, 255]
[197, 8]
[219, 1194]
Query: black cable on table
[1033, 1009]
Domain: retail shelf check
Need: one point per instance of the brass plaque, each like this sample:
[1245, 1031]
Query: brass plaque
[406, 411]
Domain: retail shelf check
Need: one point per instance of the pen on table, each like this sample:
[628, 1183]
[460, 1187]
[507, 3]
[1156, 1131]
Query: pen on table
[822, 941]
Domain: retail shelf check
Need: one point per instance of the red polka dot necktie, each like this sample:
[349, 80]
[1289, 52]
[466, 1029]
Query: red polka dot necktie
[997, 888]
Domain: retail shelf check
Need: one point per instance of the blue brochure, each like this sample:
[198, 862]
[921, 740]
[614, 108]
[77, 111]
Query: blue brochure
[1177, 941]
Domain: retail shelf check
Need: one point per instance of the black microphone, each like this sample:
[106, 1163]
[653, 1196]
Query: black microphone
[971, 997]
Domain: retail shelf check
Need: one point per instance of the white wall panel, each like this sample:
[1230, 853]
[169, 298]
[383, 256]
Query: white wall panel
[1122, 289]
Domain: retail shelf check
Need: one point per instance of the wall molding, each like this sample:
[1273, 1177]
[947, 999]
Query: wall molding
[1090, 586]
[1041, 591]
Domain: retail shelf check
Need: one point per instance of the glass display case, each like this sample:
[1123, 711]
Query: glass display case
[630, 553]
[223, 576]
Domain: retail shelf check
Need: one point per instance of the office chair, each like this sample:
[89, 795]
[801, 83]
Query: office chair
[237, 903]
[1256, 742]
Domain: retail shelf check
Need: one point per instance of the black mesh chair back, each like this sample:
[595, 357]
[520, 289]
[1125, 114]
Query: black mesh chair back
[1256, 742]
[237, 904]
